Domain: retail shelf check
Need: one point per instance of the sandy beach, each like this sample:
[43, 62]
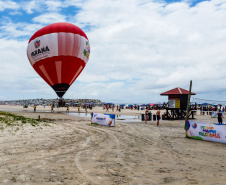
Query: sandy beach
[69, 150]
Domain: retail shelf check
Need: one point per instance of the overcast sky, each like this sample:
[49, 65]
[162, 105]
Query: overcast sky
[139, 48]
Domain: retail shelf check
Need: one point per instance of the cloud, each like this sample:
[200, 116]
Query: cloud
[53, 5]
[139, 48]
[165, 45]
[14, 67]
[49, 18]
[8, 5]
[74, 3]
[31, 6]
[19, 30]
[41, 6]
[48, 6]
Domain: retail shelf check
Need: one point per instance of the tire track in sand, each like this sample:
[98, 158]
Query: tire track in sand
[112, 160]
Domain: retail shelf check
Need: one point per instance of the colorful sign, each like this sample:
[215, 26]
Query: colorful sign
[174, 104]
[206, 131]
[103, 119]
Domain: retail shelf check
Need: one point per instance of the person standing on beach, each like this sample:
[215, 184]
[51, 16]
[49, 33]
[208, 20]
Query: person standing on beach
[52, 106]
[79, 109]
[158, 116]
[107, 107]
[146, 115]
[86, 108]
[219, 116]
[67, 111]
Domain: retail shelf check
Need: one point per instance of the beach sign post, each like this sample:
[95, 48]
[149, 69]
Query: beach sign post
[189, 96]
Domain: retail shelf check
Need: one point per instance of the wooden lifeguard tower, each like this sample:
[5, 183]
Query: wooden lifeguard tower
[177, 104]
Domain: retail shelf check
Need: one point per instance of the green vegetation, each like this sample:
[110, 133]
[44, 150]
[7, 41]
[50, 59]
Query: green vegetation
[16, 120]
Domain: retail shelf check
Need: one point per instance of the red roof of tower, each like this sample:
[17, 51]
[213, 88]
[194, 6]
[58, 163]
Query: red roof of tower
[177, 90]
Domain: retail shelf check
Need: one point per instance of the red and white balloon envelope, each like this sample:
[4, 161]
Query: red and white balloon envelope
[58, 53]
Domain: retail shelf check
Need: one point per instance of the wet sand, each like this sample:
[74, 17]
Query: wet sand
[69, 150]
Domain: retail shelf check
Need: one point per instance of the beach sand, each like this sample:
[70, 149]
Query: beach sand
[69, 150]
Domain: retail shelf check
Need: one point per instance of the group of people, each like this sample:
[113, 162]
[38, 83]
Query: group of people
[135, 107]
[107, 107]
[158, 116]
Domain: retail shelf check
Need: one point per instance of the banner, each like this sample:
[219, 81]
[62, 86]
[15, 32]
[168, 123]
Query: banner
[103, 119]
[206, 131]
[214, 114]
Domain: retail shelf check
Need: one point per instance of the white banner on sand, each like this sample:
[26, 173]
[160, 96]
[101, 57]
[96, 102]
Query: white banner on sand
[214, 114]
[206, 131]
[103, 119]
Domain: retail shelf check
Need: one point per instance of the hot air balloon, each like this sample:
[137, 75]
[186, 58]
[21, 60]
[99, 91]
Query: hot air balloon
[58, 53]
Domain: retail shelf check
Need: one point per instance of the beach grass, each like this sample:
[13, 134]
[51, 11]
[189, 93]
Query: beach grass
[10, 119]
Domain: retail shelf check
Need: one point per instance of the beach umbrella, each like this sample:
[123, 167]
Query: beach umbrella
[58, 53]
[205, 104]
[110, 103]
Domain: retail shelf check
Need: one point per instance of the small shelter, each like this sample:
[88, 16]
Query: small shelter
[177, 103]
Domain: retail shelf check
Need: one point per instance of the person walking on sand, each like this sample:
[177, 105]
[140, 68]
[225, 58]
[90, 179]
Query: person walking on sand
[146, 115]
[158, 116]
